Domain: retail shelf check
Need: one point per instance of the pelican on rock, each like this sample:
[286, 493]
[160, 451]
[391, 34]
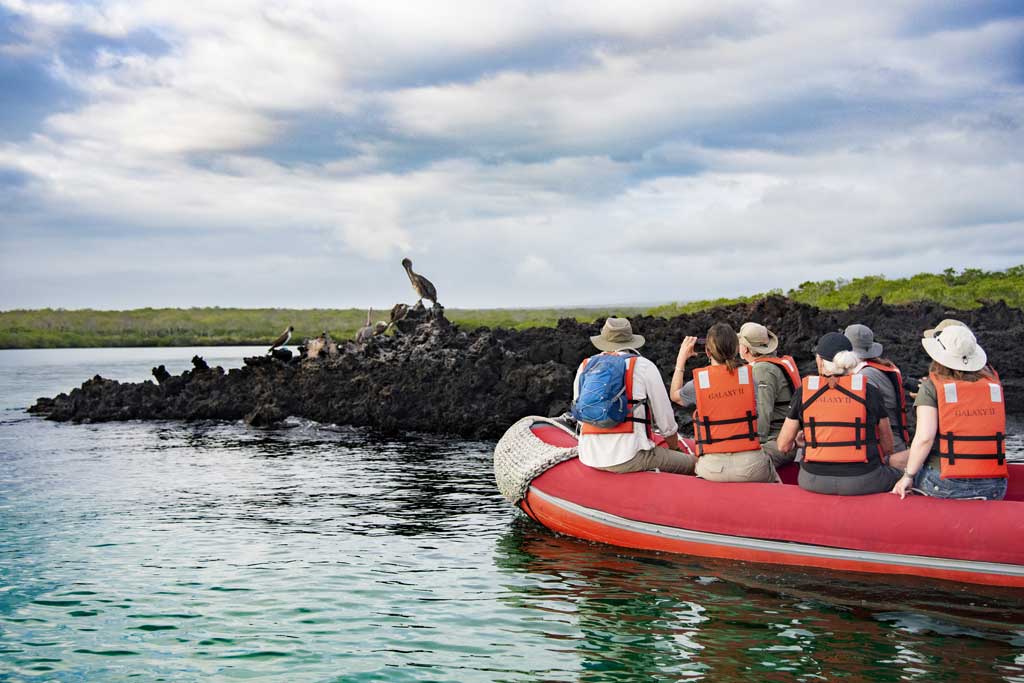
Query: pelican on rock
[366, 331]
[424, 287]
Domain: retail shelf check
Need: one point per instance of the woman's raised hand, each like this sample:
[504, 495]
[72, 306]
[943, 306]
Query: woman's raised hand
[686, 351]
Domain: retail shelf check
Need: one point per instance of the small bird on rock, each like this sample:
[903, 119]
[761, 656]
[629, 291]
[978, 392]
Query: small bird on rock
[283, 339]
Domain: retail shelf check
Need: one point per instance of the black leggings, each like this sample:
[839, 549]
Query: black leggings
[880, 480]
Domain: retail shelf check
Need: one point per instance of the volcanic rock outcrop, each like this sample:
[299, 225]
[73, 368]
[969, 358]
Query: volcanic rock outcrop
[433, 376]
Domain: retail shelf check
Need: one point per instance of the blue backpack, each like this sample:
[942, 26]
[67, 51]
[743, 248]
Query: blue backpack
[602, 400]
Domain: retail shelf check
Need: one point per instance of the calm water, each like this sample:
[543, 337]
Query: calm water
[185, 552]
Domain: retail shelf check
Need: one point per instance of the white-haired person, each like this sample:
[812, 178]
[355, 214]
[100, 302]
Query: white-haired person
[777, 378]
[959, 446]
[882, 373]
[842, 420]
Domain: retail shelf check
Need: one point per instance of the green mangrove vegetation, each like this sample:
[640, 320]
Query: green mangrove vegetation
[59, 328]
[964, 290]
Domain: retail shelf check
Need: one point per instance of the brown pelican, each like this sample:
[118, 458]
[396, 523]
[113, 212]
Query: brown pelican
[398, 312]
[283, 339]
[380, 327]
[424, 288]
[366, 331]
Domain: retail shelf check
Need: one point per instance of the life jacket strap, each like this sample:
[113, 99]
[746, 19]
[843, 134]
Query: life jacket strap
[706, 423]
[949, 439]
[858, 426]
[646, 420]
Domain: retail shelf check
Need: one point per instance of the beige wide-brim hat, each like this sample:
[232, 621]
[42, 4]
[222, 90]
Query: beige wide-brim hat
[948, 322]
[956, 348]
[617, 334]
[758, 338]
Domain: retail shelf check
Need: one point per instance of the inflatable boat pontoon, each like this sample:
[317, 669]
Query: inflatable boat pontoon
[970, 541]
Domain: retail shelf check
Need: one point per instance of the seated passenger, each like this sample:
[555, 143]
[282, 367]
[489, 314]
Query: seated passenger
[882, 374]
[626, 446]
[959, 448]
[841, 420]
[725, 422]
[777, 378]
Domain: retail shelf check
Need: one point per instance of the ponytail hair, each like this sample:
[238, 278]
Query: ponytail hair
[842, 364]
[723, 345]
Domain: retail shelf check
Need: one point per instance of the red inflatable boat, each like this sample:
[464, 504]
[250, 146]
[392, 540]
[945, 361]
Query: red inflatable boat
[969, 541]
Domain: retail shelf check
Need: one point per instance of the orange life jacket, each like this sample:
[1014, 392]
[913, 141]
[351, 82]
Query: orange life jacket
[626, 426]
[789, 369]
[835, 419]
[896, 379]
[972, 428]
[726, 417]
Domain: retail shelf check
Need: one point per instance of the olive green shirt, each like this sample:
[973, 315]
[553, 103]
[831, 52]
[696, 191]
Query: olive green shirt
[773, 397]
[927, 397]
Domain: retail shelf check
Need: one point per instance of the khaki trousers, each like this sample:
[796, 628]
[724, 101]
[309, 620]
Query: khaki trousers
[657, 458]
[747, 466]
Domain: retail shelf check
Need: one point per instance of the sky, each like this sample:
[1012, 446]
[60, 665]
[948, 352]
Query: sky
[288, 153]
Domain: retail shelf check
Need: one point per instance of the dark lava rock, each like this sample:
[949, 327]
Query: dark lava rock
[434, 377]
[281, 354]
[161, 374]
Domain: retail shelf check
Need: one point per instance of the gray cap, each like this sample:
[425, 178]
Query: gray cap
[863, 340]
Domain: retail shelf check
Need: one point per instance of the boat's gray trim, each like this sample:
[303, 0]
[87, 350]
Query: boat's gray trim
[790, 547]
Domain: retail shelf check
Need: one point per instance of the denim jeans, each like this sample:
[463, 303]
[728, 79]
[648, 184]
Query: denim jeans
[928, 482]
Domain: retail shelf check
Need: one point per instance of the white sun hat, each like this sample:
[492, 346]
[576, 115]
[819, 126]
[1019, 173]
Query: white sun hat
[956, 348]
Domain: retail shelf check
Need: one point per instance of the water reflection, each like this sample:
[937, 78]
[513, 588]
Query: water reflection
[655, 617]
[208, 551]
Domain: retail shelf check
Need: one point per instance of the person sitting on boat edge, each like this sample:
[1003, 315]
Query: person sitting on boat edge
[959, 447]
[726, 418]
[882, 374]
[776, 378]
[841, 419]
[629, 446]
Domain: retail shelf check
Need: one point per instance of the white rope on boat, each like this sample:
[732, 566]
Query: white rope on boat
[520, 457]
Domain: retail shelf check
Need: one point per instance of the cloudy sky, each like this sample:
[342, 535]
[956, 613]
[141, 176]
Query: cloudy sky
[290, 153]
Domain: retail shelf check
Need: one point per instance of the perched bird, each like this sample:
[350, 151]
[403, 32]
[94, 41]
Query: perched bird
[161, 374]
[398, 312]
[283, 339]
[329, 345]
[380, 327]
[366, 331]
[424, 288]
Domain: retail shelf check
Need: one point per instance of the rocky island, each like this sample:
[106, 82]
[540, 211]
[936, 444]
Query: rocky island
[432, 376]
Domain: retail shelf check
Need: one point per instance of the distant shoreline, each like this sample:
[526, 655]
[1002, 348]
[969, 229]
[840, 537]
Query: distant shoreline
[214, 326]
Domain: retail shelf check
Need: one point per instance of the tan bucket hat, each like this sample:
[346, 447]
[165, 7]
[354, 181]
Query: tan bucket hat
[617, 334]
[948, 322]
[956, 348]
[758, 338]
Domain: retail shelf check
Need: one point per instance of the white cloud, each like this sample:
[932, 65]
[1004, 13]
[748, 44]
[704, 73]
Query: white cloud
[526, 153]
